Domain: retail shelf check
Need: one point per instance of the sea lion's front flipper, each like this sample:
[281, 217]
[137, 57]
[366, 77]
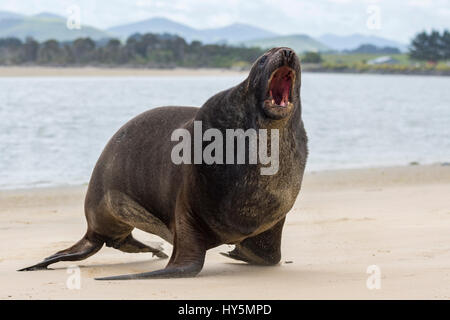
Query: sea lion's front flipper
[263, 249]
[237, 255]
[169, 272]
[187, 258]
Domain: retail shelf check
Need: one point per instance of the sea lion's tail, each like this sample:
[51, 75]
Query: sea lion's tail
[84, 248]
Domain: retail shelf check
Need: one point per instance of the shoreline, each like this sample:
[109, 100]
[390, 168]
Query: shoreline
[115, 71]
[429, 173]
[342, 222]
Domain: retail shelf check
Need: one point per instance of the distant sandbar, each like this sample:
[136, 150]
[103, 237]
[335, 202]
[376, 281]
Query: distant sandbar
[32, 71]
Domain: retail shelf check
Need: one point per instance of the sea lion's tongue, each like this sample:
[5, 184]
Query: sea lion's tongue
[285, 87]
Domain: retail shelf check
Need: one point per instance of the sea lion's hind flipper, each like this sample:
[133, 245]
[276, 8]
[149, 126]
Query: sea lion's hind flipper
[84, 248]
[131, 245]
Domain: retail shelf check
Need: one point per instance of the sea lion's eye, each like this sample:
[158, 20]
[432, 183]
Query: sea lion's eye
[262, 60]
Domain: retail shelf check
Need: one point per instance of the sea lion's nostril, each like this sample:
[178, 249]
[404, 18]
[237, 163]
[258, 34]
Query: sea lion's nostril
[287, 54]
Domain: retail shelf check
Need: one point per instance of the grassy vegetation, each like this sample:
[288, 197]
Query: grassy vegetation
[358, 63]
[340, 58]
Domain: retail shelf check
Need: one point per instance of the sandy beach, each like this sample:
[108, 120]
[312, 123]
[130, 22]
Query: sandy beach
[343, 221]
[38, 71]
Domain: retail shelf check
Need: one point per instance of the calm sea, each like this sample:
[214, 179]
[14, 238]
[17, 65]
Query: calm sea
[52, 130]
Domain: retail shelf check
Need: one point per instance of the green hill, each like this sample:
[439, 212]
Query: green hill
[299, 42]
[44, 27]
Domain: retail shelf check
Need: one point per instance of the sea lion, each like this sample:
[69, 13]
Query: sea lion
[195, 207]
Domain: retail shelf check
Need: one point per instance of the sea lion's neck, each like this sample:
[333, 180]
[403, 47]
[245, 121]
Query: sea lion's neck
[237, 108]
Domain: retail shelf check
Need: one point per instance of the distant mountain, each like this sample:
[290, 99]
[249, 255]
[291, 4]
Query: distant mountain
[48, 15]
[236, 33]
[300, 43]
[230, 34]
[353, 41]
[10, 15]
[44, 26]
[47, 25]
[153, 25]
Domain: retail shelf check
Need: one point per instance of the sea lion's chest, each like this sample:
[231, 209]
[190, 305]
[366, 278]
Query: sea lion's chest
[241, 202]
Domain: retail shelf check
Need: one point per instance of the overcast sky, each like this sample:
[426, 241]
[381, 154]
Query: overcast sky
[394, 19]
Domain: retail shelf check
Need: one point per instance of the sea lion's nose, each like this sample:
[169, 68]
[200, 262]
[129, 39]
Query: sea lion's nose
[287, 54]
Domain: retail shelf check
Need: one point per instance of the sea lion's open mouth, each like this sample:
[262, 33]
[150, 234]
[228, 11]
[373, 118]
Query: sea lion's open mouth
[280, 86]
[278, 102]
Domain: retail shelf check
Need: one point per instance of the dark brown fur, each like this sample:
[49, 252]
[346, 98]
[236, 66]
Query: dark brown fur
[196, 207]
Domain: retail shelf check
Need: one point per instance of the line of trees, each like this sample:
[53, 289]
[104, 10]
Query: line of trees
[165, 50]
[311, 57]
[150, 50]
[372, 49]
[432, 46]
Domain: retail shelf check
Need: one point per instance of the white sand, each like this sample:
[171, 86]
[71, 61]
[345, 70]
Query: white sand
[343, 221]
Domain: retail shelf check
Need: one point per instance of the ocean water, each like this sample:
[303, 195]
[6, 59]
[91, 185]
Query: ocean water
[52, 130]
